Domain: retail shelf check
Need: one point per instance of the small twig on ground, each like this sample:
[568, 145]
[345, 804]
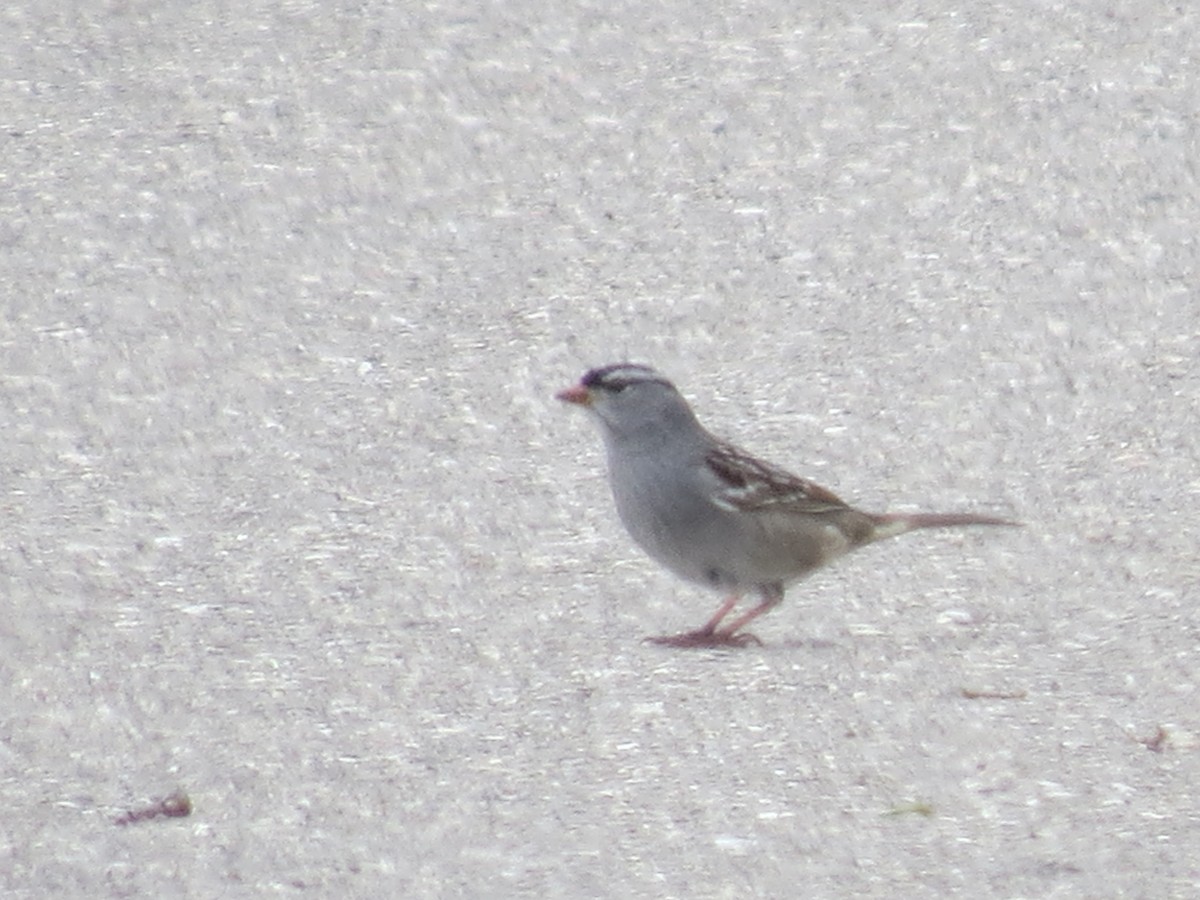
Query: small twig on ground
[172, 806]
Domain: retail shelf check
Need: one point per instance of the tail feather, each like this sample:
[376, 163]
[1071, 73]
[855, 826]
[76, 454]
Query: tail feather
[892, 524]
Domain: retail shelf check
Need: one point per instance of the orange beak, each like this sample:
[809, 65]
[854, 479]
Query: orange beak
[577, 394]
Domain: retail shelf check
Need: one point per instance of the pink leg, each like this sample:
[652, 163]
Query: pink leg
[708, 636]
[770, 600]
[730, 602]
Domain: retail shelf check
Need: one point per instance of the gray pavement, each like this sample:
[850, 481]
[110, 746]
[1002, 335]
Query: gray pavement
[292, 524]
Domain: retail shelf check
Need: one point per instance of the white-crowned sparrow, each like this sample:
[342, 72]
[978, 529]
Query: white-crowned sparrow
[712, 513]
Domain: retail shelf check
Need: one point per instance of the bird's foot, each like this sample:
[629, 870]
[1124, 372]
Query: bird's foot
[706, 637]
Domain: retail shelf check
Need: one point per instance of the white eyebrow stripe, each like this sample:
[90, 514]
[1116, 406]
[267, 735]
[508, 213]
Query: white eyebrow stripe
[620, 374]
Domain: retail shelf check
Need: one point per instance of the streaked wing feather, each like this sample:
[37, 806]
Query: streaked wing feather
[751, 485]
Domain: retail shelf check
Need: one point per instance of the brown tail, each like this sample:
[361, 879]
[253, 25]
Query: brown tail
[891, 524]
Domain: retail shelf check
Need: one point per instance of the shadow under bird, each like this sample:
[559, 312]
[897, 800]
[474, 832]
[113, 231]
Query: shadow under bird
[714, 514]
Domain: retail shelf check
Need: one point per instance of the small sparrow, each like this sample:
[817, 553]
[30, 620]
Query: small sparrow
[714, 514]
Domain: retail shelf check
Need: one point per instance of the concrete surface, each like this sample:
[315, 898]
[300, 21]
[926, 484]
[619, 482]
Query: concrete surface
[292, 524]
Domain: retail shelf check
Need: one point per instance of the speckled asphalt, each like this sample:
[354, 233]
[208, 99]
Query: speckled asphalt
[292, 524]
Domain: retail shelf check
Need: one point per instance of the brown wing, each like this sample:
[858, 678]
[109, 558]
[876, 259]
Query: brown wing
[751, 485]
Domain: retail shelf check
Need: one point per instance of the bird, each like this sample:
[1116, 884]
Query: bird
[714, 514]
